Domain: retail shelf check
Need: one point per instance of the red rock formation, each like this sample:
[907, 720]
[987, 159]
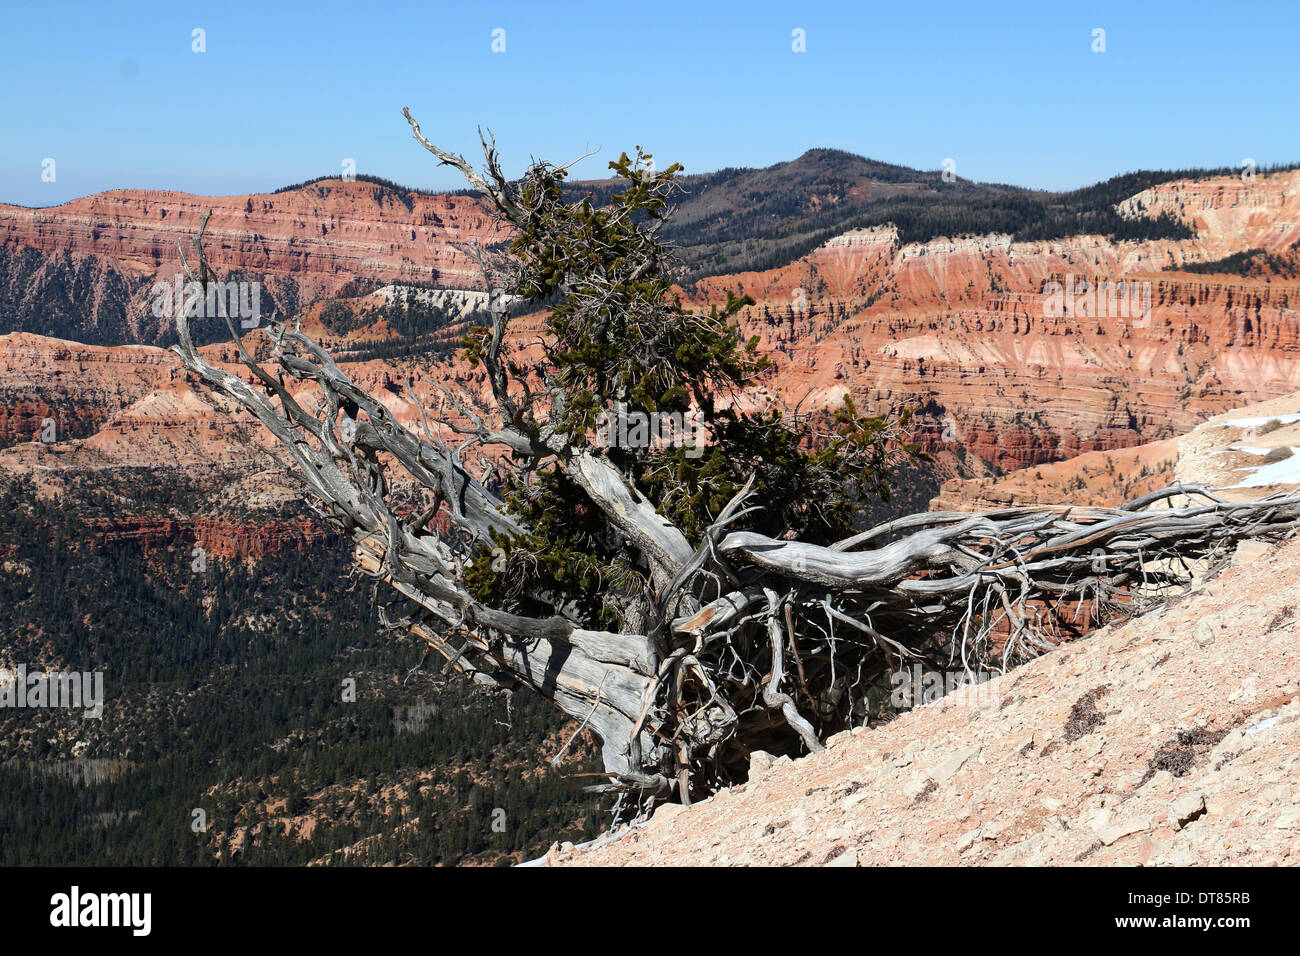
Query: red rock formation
[966, 329]
[1106, 478]
[79, 386]
[321, 236]
[220, 538]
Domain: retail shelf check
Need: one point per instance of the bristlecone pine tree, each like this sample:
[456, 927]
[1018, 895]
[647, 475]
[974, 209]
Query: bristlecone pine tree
[689, 598]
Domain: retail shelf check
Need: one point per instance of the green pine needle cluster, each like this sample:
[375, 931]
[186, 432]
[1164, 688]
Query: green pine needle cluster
[620, 341]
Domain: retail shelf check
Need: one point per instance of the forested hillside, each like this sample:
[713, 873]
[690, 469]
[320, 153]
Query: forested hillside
[225, 694]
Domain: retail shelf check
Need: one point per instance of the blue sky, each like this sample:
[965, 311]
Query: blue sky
[114, 94]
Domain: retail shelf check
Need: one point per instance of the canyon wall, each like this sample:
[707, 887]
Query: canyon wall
[1018, 371]
[303, 243]
[1010, 360]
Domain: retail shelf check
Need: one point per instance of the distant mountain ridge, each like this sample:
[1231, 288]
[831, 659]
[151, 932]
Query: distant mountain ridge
[84, 270]
[741, 219]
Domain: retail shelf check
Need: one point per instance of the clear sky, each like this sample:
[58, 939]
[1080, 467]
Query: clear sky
[1013, 92]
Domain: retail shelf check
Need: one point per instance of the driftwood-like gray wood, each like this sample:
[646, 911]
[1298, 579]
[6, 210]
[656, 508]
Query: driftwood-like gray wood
[747, 642]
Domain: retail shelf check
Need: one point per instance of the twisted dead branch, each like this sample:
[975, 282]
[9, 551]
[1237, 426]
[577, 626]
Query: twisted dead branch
[744, 641]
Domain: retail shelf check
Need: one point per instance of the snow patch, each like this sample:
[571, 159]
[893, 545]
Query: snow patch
[1285, 472]
[1256, 422]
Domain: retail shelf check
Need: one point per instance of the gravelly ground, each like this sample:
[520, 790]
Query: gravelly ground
[1189, 755]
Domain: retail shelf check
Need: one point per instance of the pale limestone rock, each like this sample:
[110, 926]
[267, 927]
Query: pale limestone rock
[944, 771]
[1185, 808]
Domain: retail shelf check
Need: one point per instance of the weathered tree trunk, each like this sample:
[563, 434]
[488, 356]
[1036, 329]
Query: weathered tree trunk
[744, 641]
